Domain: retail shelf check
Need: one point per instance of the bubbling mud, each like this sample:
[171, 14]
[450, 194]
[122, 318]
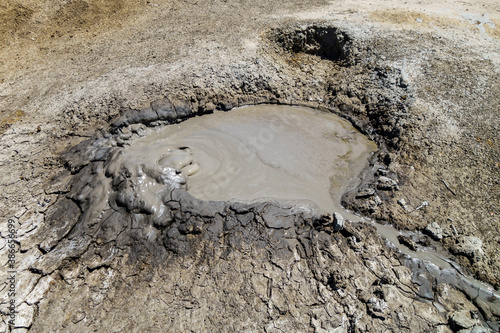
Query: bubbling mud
[293, 155]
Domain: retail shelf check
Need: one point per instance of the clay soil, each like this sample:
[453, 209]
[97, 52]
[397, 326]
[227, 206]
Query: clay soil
[421, 79]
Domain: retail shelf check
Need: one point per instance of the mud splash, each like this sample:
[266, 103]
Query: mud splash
[263, 153]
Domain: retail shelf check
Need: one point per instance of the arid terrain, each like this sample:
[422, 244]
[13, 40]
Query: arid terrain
[80, 79]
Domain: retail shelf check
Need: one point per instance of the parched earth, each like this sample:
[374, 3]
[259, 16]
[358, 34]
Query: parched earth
[81, 79]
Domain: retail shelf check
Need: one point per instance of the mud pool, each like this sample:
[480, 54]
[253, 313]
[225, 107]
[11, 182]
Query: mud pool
[262, 153]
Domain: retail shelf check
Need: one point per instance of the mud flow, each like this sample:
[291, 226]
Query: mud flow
[293, 155]
[431, 266]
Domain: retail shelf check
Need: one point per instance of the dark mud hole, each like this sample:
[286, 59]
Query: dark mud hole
[94, 230]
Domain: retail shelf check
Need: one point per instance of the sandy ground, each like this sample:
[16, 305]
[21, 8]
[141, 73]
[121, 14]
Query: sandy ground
[68, 67]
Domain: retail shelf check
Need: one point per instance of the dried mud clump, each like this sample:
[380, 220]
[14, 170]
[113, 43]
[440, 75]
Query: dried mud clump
[326, 42]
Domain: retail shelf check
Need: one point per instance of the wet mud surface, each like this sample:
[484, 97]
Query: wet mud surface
[261, 153]
[98, 232]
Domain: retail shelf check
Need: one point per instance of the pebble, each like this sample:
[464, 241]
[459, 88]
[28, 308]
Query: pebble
[386, 183]
[462, 320]
[365, 193]
[408, 242]
[338, 222]
[434, 230]
[402, 203]
[471, 247]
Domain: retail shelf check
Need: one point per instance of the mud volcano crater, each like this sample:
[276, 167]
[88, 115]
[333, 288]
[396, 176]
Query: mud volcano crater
[118, 212]
[323, 41]
[160, 186]
[96, 212]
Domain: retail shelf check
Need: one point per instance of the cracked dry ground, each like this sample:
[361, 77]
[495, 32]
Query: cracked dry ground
[83, 73]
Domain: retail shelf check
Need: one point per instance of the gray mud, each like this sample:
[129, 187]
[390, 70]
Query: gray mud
[117, 244]
[431, 266]
[294, 155]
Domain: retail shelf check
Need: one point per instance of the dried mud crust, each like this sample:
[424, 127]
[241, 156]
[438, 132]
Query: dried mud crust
[350, 280]
[218, 261]
[249, 268]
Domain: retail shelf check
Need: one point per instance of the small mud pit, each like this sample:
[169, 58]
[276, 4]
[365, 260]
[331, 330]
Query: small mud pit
[294, 155]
